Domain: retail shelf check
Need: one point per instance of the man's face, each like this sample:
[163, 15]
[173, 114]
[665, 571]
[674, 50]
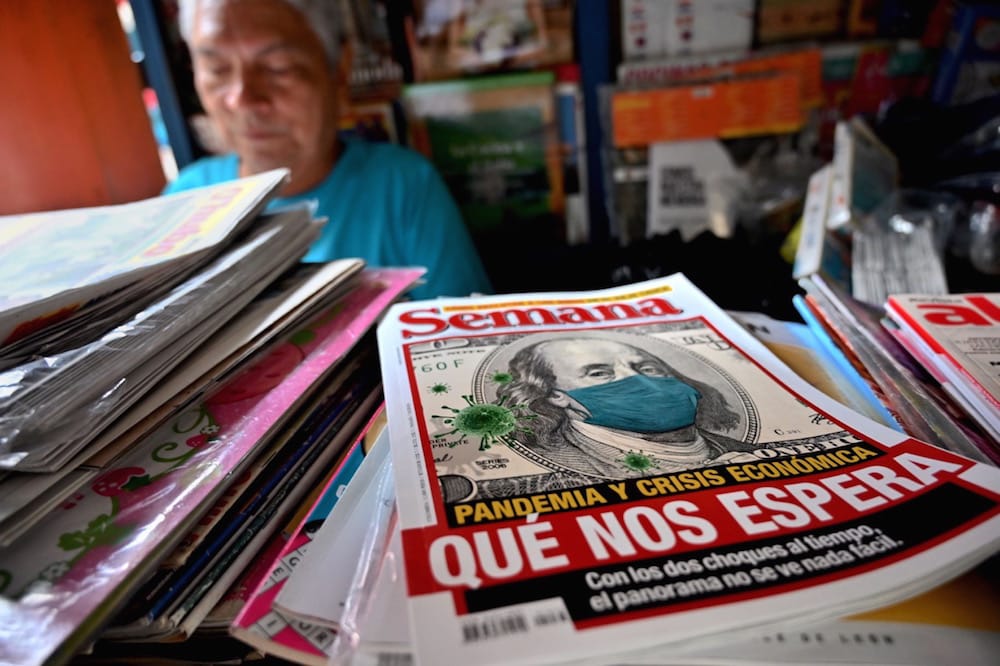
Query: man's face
[580, 363]
[263, 78]
[656, 410]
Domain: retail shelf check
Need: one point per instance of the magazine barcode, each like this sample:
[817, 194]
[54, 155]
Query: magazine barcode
[393, 659]
[494, 627]
[553, 617]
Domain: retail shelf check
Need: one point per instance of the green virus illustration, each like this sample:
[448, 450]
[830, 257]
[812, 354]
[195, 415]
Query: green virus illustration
[639, 462]
[492, 423]
[502, 378]
[440, 388]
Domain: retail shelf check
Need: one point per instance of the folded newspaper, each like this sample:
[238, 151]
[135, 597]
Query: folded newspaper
[580, 474]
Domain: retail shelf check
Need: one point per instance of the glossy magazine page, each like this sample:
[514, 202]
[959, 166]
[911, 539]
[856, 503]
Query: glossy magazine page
[585, 473]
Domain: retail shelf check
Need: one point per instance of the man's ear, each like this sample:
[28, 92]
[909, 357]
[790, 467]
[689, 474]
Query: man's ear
[572, 407]
[344, 63]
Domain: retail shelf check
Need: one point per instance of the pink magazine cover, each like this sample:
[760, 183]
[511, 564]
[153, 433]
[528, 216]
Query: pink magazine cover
[60, 582]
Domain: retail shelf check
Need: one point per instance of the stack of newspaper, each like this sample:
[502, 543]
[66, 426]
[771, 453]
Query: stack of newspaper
[956, 337]
[919, 403]
[154, 540]
[756, 540]
[630, 476]
[508, 499]
[100, 304]
[192, 387]
[69, 273]
[150, 457]
[68, 381]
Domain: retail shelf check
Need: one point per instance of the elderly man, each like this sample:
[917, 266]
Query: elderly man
[271, 77]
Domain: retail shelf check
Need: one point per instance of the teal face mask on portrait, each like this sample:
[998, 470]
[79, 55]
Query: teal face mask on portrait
[640, 403]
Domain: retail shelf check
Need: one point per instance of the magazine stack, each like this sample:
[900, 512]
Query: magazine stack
[956, 337]
[630, 476]
[175, 386]
[215, 453]
[919, 403]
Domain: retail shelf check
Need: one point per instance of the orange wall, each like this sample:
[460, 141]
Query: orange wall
[73, 128]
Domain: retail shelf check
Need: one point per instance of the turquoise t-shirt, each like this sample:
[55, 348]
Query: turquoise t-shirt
[385, 204]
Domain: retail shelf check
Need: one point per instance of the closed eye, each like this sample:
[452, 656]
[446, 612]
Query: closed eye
[277, 70]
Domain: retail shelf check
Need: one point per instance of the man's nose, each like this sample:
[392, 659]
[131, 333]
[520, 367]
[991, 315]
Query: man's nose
[246, 89]
[623, 370]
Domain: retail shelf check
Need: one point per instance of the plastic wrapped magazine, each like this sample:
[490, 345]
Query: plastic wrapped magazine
[282, 306]
[912, 393]
[61, 582]
[343, 552]
[956, 337]
[64, 269]
[53, 406]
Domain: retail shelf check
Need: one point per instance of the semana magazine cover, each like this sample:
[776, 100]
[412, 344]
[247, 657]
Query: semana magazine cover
[585, 473]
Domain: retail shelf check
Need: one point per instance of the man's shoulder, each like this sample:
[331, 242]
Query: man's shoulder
[205, 171]
[391, 158]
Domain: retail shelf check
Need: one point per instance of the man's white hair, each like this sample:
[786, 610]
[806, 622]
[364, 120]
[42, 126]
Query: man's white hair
[323, 16]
